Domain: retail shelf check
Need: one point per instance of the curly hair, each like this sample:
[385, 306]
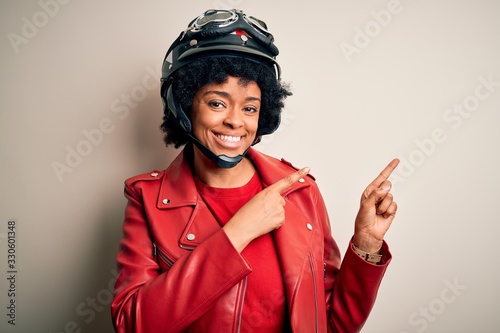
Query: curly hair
[190, 78]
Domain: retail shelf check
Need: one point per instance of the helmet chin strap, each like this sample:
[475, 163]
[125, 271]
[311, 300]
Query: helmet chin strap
[222, 161]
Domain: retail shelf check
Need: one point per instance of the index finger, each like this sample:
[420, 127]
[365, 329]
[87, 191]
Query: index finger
[386, 172]
[283, 184]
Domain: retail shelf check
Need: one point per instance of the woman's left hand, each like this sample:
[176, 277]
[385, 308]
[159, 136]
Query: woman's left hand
[376, 212]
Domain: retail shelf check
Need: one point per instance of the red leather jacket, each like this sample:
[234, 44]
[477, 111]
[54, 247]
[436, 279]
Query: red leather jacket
[178, 271]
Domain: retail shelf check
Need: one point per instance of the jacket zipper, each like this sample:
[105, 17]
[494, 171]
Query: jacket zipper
[241, 304]
[190, 248]
[315, 292]
[157, 253]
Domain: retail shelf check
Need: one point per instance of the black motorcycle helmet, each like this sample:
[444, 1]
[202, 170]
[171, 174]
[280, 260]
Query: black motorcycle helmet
[217, 33]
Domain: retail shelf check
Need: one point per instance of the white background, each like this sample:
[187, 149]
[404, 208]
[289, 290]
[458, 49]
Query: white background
[372, 80]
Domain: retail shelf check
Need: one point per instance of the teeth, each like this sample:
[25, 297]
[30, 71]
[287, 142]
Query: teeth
[229, 138]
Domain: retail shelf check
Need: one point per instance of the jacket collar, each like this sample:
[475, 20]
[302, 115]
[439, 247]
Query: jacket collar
[178, 187]
[272, 170]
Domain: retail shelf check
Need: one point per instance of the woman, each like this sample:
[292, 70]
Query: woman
[227, 239]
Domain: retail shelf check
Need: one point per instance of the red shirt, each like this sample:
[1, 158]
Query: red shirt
[264, 308]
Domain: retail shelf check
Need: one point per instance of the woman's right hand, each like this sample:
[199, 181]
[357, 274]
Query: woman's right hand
[264, 213]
